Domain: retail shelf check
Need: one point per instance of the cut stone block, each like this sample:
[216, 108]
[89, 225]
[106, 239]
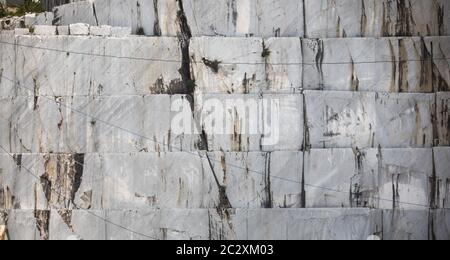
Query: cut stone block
[370, 64]
[245, 18]
[386, 179]
[443, 118]
[283, 65]
[138, 15]
[97, 66]
[47, 125]
[328, 178]
[30, 20]
[363, 120]
[63, 30]
[166, 224]
[45, 18]
[100, 30]
[22, 225]
[258, 180]
[76, 12]
[21, 31]
[312, 224]
[129, 124]
[172, 180]
[395, 179]
[7, 32]
[374, 18]
[66, 179]
[405, 224]
[44, 30]
[80, 29]
[442, 181]
[438, 49]
[77, 225]
[7, 65]
[120, 31]
[250, 122]
[239, 70]
[283, 123]
[440, 224]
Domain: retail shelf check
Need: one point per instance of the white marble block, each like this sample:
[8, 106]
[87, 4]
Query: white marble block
[120, 31]
[79, 29]
[100, 30]
[363, 120]
[44, 30]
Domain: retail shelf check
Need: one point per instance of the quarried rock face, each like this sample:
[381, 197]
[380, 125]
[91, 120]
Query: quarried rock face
[266, 18]
[240, 119]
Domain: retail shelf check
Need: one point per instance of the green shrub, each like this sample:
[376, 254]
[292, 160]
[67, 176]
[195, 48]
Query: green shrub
[29, 6]
[3, 11]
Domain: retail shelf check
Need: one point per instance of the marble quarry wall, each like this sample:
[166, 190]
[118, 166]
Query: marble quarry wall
[361, 90]
[267, 18]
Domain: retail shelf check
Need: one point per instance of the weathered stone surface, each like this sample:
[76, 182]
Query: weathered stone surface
[283, 123]
[81, 124]
[251, 65]
[77, 225]
[91, 122]
[138, 15]
[258, 180]
[77, 12]
[442, 178]
[375, 64]
[393, 178]
[443, 118]
[285, 18]
[172, 180]
[440, 224]
[45, 18]
[264, 18]
[270, 224]
[46, 125]
[207, 224]
[102, 181]
[374, 18]
[49, 181]
[7, 65]
[386, 179]
[405, 224]
[252, 123]
[439, 49]
[96, 66]
[357, 119]
[328, 178]
[239, 70]
[227, 18]
[218, 72]
[283, 65]
[312, 224]
[22, 225]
